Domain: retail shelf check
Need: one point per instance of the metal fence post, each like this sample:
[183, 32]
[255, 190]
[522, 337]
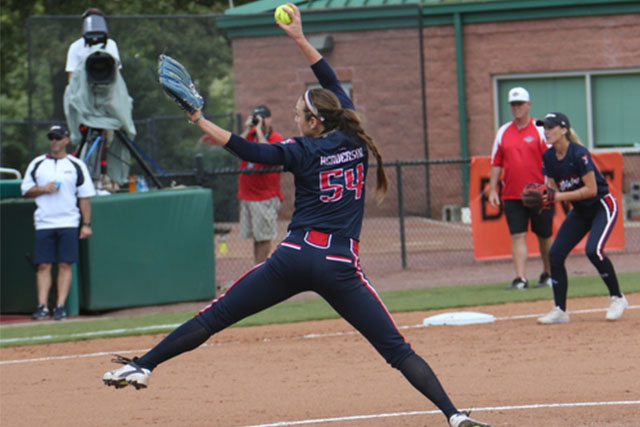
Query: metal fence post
[238, 122]
[403, 246]
[199, 169]
[423, 96]
[151, 131]
[30, 132]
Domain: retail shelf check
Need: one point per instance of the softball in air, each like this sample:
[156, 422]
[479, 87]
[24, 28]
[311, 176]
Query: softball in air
[281, 15]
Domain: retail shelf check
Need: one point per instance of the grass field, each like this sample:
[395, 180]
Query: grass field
[303, 310]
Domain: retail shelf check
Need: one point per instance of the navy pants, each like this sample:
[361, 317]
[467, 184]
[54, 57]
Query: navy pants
[597, 220]
[309, 261]
[319, 262]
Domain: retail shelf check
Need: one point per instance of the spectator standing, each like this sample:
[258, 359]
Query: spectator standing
[576, 179]
[61, 186]
[517, 156]
[259, 193]
[94, 31]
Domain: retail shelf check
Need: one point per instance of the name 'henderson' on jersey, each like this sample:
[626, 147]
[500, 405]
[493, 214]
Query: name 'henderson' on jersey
[347, 156]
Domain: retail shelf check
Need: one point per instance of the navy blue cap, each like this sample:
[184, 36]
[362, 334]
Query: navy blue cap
[58, 130]
[553, 120]
[261, 110]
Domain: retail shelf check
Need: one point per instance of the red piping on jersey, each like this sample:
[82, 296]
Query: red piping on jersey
[367, 284]
[291, 245]
[228, 289]
[338, 258]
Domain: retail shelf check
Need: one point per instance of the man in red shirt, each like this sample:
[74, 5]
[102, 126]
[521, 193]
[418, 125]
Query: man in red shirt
[259, 193]
[517, 156]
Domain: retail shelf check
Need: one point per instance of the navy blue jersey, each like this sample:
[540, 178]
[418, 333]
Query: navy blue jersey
[328, 80]
[329, 174]
[568, 172]
[330, 170]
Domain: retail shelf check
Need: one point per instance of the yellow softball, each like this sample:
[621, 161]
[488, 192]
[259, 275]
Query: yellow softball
[281, 15]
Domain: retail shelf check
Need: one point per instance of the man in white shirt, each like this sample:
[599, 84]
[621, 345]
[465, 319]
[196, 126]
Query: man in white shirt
[94, 31]
[61, 186]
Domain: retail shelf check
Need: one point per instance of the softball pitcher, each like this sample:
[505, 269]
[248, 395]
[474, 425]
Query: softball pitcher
[576, 179]
[320, 251]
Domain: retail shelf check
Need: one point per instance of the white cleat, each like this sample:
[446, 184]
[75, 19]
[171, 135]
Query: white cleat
[557, 315]
[616, 307]
[130, 373]
[461, 419]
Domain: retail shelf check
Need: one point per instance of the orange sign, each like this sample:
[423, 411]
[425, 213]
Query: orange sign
[491, 239]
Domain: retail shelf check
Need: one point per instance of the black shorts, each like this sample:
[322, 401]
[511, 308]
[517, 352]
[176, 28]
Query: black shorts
[518, 219]
[56, 245]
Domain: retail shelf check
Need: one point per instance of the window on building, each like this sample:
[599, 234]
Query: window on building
[346, 86]
[603, 106]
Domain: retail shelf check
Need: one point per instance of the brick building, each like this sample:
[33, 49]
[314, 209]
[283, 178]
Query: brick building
[430, 79]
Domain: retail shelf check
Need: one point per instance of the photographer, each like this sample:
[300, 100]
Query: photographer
[259, 193]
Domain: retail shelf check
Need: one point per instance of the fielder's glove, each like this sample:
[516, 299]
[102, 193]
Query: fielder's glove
[177, 84]
[537, 197]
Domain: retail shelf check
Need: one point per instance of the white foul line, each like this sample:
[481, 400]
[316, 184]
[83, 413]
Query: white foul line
[346, 418]
[169, 326]
[406, 414]
[90, 334]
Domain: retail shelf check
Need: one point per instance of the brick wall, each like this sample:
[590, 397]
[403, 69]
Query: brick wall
[382, 66]
[538, 46]
[384, 69]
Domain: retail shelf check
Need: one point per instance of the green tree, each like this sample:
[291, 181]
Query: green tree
[47, 27]
[38, 33]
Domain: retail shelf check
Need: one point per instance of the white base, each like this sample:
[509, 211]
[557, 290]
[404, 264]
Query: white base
[459, 318]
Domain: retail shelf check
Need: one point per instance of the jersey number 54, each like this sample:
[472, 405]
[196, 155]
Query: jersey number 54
[336, 180]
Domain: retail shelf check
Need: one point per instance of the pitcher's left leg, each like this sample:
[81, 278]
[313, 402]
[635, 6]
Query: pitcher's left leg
[359, 303]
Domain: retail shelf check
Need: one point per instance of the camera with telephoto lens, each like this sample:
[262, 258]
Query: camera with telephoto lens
[261, 111]
[254, 118]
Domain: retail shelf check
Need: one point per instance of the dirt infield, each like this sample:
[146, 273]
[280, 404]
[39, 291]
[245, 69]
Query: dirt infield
[513, 371]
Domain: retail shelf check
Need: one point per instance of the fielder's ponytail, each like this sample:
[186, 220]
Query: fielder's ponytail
[573, 136]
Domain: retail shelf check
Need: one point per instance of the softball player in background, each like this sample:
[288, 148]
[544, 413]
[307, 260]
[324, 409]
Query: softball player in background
[576, 179]
[320, 252]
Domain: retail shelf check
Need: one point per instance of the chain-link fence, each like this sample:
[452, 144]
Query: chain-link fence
[409, 230]
[419, 225]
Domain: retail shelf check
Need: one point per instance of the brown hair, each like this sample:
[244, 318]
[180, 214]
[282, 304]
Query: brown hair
[333, 116]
